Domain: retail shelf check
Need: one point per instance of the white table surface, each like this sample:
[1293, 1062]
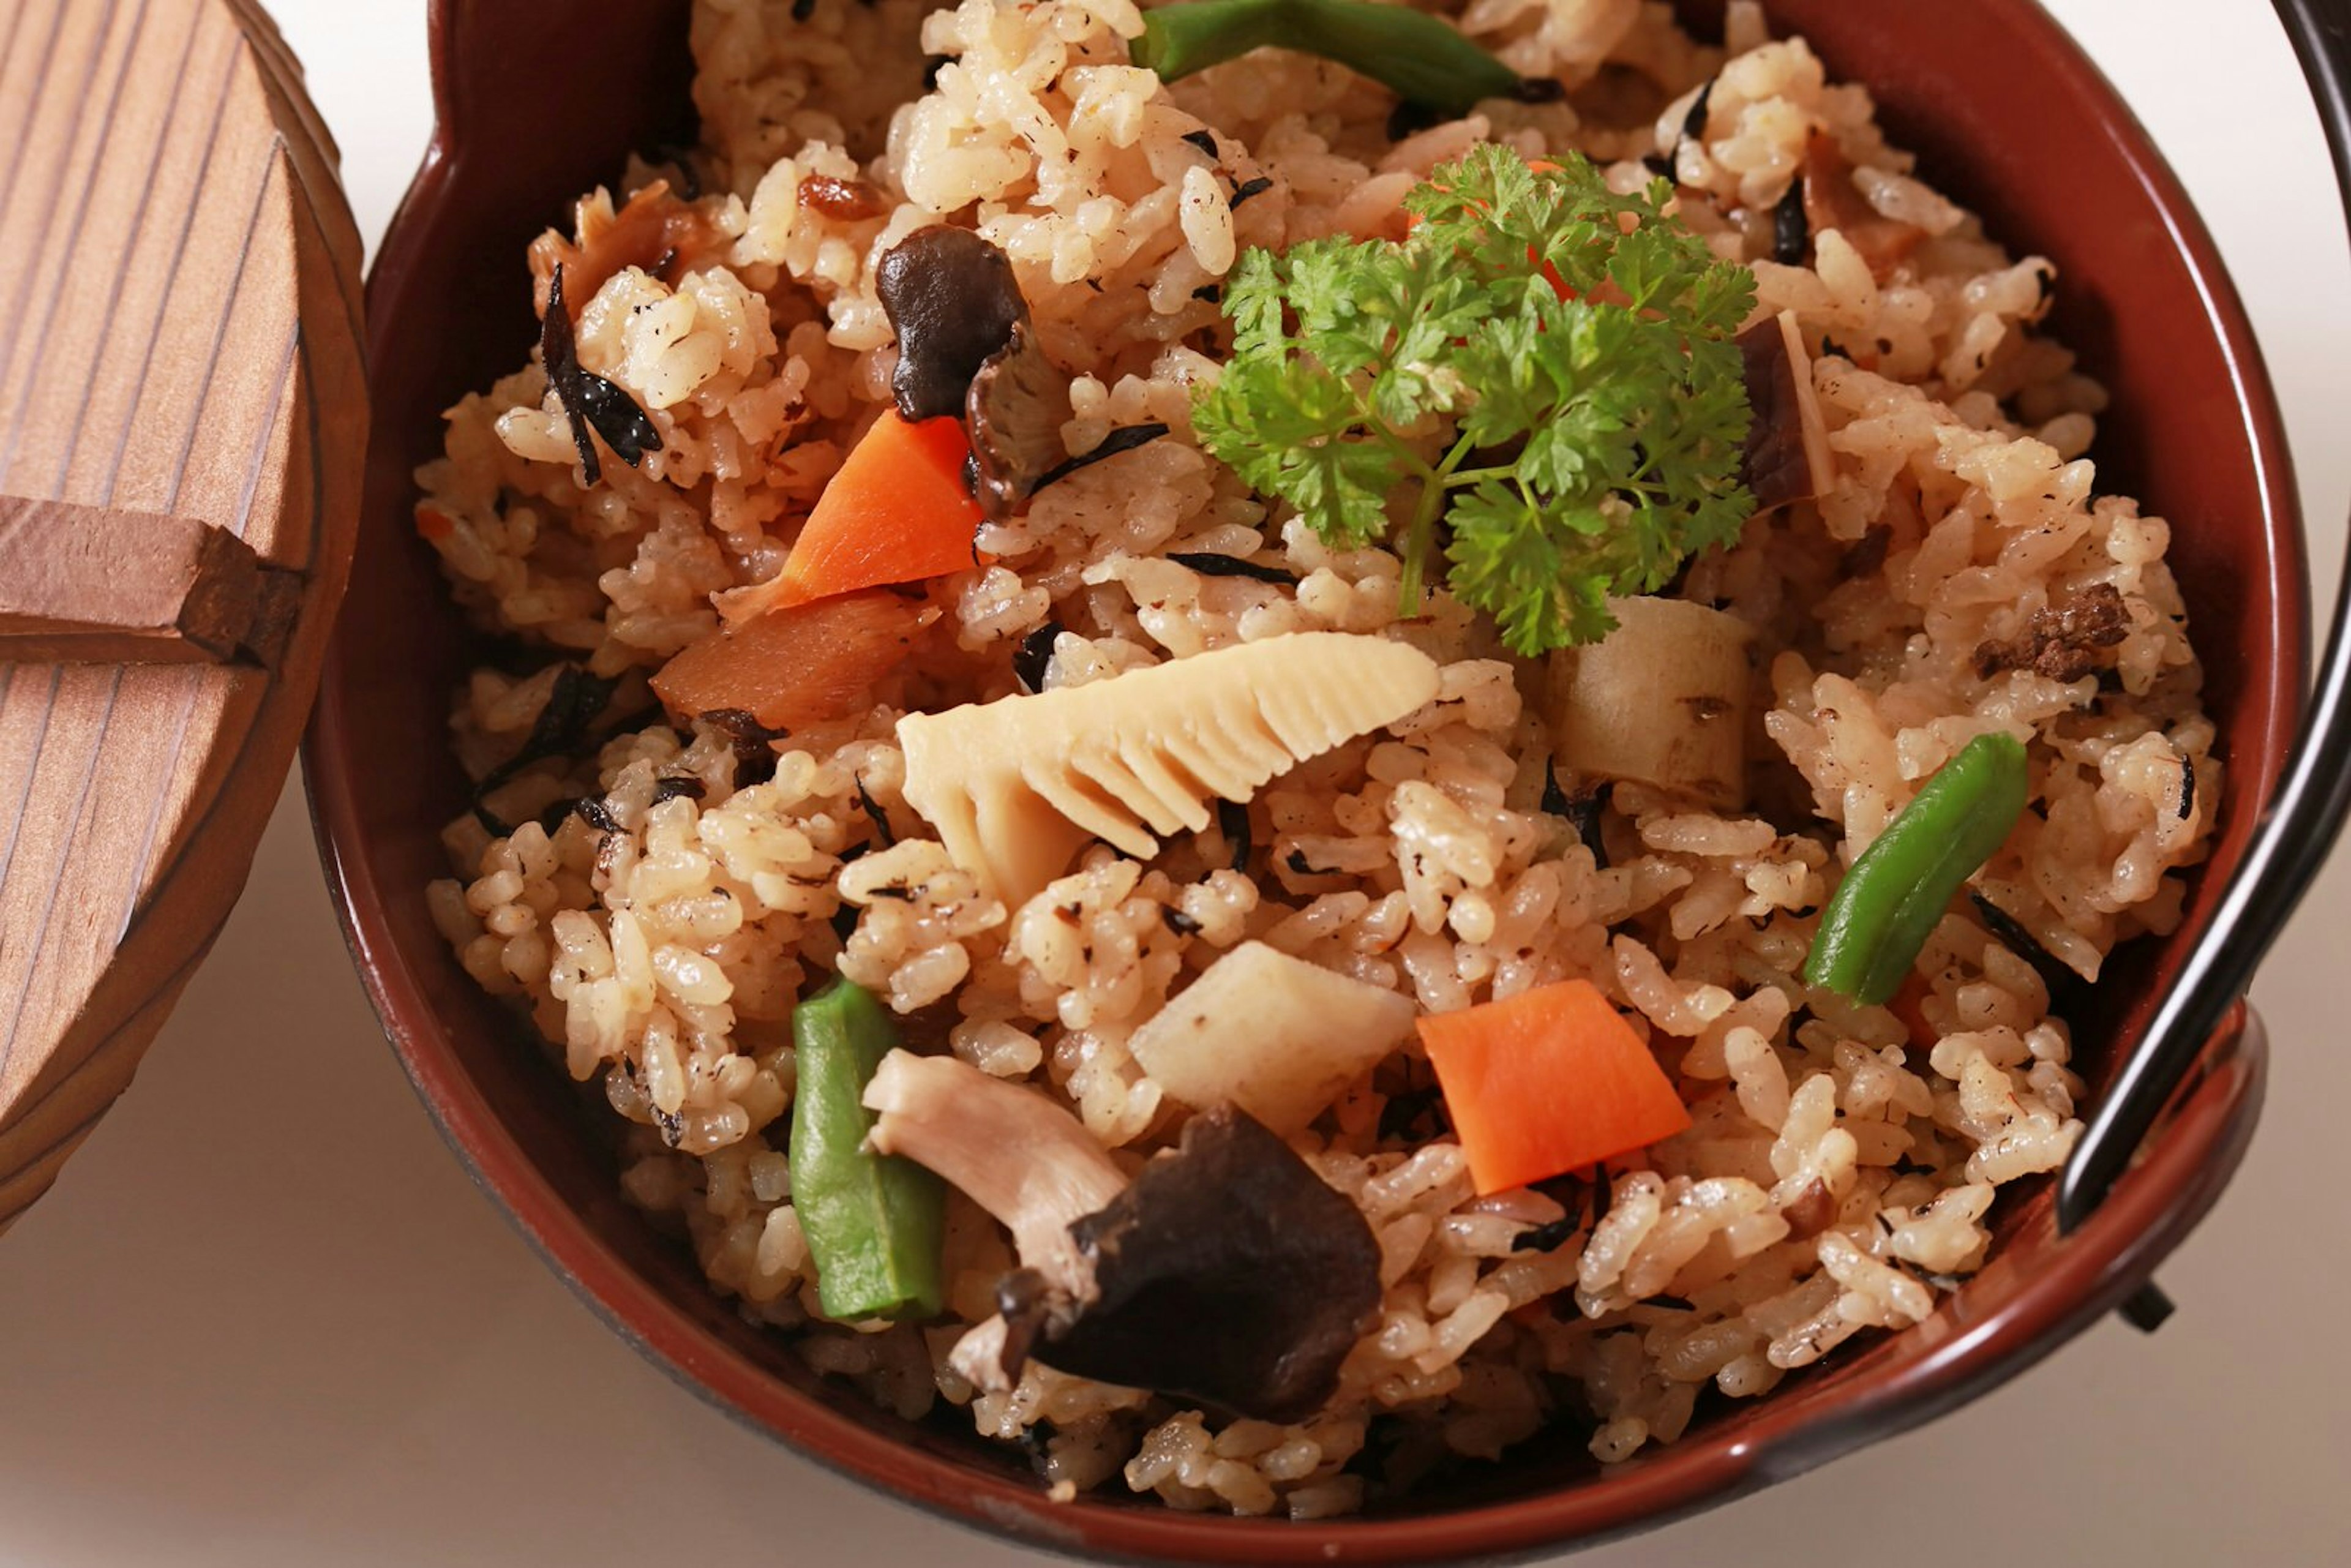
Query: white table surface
[265, 1319]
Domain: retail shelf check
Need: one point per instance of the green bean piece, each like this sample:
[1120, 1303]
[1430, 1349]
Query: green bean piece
[1413, 54]
[1886, 907]
[873, 1222]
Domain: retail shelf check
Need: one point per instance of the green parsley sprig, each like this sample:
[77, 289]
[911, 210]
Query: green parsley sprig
[1550, 365]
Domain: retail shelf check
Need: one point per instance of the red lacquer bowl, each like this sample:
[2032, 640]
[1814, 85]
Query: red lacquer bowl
[539, 101]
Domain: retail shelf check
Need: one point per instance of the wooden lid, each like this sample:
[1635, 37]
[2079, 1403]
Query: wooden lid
[183, 420]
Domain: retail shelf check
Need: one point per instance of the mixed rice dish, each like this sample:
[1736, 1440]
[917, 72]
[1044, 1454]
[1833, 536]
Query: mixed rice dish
[1266, 743]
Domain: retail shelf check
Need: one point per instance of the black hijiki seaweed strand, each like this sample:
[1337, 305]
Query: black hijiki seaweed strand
[1126, 438]
[876, 814]
[1034, 658]
[1583, 811]
[752, 743]
[2012, 933]
[575, 701]
[1555, 802]
[589, 403]
[1207, 563]
[1233, 822]
[1546, 1237]
[1792, 226]
[1694, 122]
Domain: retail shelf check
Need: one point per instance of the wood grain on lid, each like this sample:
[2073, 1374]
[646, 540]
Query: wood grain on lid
[100, 585]
[179, 337]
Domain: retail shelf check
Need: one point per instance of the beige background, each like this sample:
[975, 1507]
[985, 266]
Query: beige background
[264, 1319]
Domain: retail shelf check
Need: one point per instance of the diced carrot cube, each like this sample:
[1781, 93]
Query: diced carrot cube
[1547, 1081]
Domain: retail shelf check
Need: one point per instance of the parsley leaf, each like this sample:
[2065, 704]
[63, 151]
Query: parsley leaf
[1545, 367]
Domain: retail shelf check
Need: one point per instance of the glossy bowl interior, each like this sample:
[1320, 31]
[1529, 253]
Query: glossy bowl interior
[539, 101]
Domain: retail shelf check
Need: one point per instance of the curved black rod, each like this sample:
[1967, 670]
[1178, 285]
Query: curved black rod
[2291, 843]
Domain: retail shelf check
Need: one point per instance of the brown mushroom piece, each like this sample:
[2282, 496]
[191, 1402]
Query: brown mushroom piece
[1227, 1273]
[952, 299]
[1010, 1150]
[1014, 413]
[1788, 457]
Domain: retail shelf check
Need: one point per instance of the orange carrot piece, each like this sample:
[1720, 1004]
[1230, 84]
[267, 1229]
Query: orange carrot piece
[798, 665]
[1546, 1081]
[896, 512]
[1910, 1005]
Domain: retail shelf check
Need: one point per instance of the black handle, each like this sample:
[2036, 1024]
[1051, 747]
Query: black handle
[2291, 843]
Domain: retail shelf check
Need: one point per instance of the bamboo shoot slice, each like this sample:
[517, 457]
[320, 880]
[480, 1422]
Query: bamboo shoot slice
[1016, 787]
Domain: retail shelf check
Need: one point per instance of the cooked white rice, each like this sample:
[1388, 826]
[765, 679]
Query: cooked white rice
[1838, 1175]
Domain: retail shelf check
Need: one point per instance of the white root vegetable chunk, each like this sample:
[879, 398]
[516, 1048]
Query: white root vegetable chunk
[1016, 787]
[1662, 700]
[1277, 1036]
[1010, 1150]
